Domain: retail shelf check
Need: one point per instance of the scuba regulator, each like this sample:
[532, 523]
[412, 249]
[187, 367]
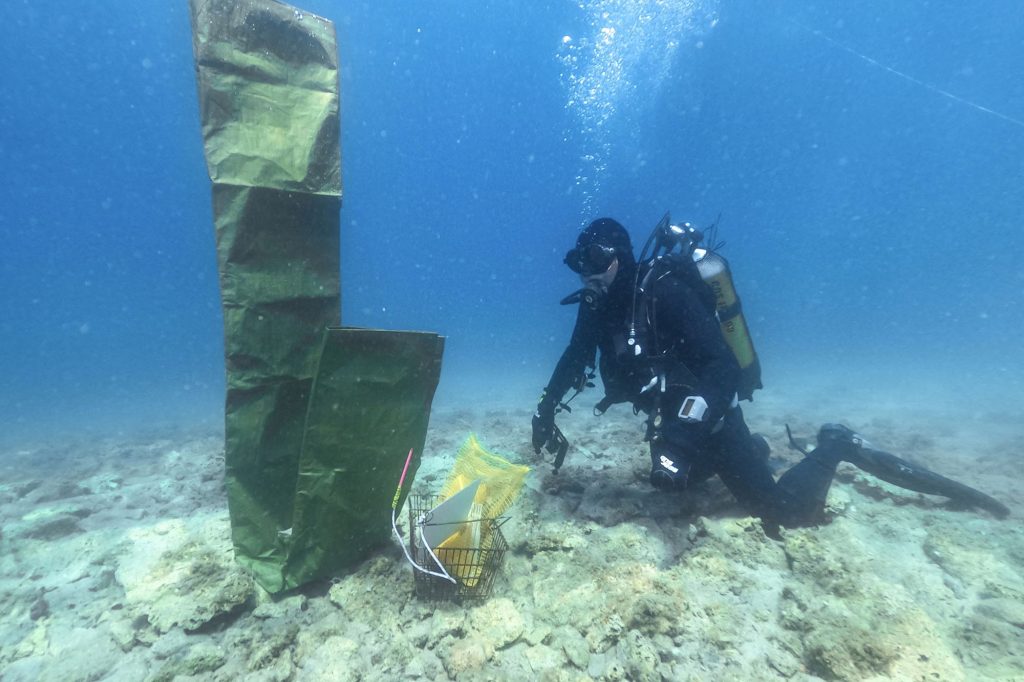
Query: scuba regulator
[596, 264]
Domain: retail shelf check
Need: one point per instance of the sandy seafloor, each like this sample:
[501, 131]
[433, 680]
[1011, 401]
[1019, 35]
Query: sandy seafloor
[115, 563]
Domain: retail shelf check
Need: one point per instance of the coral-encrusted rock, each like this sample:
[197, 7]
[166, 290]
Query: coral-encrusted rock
[850, 624]
[497, 623]
[183, 575]
[465, 656]
[52, 523]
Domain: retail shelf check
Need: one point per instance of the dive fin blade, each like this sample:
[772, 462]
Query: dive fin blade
[904, 474]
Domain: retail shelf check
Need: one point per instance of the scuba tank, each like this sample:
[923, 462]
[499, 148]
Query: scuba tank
[705, 264]
[714, 270]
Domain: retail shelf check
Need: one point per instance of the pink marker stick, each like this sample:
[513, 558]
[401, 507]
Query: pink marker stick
[405, 470]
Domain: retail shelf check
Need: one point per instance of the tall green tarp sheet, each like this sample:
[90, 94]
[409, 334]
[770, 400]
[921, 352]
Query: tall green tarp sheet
[318, 419]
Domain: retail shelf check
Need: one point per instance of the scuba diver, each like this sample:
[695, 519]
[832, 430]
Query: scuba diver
[672, 341]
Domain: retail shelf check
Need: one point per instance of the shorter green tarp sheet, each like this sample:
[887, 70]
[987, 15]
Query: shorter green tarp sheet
[370, 406]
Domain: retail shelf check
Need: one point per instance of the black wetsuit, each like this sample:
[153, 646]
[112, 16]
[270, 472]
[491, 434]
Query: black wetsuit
[685, 354]
[682, 341]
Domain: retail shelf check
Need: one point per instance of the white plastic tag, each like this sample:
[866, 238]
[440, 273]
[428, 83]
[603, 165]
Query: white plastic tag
[693, 409]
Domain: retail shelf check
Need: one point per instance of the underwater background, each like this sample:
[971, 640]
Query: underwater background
[865, 159]
[863, 162]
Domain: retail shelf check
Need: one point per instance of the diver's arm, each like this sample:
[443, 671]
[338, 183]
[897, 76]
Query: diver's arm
[578, 355]
[682, 316]
[580, 352]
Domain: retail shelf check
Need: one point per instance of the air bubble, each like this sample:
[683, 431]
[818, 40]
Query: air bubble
[629, 51]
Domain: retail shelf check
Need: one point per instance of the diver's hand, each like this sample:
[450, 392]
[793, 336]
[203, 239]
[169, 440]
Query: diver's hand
[543, 427]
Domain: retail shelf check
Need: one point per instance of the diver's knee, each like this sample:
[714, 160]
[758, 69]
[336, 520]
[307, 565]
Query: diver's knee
[669, 470]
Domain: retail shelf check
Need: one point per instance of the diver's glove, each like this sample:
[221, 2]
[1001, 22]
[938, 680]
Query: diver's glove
[543, 423]
[543, 428]
[546, 435]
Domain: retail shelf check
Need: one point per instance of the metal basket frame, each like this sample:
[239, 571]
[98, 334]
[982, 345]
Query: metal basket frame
[487, 560]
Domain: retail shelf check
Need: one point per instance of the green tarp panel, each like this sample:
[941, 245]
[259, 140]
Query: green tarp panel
[268, 84]
[268, 95]
[371, 401]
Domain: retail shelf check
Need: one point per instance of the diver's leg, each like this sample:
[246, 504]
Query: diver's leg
[741, 462]
[670, 467]
[798, 498]
[803, 490]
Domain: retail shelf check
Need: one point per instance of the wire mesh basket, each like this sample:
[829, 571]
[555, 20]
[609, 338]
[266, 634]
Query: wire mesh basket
[472, 568]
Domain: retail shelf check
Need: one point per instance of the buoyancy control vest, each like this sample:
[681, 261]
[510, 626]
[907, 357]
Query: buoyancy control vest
[710, 276]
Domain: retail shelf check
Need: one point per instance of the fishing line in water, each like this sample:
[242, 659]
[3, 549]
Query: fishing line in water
[908, 77]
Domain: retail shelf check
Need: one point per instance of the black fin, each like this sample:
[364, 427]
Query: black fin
[914, 477]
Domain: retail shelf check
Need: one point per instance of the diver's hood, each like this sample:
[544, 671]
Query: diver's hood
[608, 232]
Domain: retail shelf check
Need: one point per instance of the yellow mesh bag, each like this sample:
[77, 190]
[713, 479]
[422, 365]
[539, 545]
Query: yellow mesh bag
[500, 485]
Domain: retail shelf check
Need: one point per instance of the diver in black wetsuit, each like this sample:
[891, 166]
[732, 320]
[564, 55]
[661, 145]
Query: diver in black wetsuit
[664, 351]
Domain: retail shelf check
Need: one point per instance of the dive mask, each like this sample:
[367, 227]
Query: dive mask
[595, 286]
[590, 260]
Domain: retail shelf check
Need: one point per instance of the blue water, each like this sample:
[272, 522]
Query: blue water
[866, 160]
